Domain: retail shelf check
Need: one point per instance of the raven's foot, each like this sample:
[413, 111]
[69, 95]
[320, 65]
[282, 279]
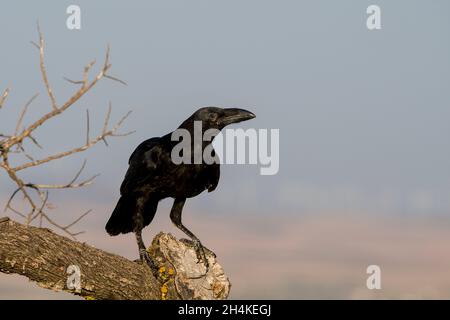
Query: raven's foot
[145, 258]
[200, 251]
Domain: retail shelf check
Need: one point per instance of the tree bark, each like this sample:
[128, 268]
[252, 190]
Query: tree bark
[44, 257]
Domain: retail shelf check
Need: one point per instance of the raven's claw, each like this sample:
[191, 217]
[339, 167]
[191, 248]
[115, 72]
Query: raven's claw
[200, 251]
[145, 258]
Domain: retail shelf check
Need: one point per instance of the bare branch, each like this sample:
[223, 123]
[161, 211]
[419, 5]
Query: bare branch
[109, 276]
[8, 203]
[84, 82]
[41, 209]
[77, 175]
[22, 150]
[117, 126]
[78, 219]
[69, 185]
[84, 183]
[116, 79]
[73, 81]
[36, 195]
[86, 72]
[43, 70]
[106, 123]
[24, 111]
[60, 227]
[35, 141]
[105, 65]
[88, 145]
[56, 111]
[3, 97]
[20, 184]
[35, 44]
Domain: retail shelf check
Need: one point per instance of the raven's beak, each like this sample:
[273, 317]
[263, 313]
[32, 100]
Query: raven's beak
[234, 115]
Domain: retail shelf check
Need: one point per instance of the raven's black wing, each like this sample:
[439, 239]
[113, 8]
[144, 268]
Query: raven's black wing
[143, 164]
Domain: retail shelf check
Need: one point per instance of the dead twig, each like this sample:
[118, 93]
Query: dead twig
[36, 195]
[3, 97]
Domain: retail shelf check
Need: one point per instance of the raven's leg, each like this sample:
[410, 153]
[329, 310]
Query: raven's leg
[143, 254]
[175, 216]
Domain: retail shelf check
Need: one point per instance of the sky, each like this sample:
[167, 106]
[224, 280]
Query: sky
[362, 115]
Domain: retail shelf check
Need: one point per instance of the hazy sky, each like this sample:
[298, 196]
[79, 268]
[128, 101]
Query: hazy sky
[363, 115]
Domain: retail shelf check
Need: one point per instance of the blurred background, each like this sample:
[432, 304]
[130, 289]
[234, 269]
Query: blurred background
[364, 133]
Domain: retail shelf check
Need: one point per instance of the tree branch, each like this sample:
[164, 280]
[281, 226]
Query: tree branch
[86, 146]
[14, 144]
[50, 93]
[44, 257]
[3, 97]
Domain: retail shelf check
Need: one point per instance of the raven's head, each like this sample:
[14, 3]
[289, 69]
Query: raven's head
[218, 118]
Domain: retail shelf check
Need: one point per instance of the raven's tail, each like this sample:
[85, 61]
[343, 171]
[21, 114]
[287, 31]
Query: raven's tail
[121, 220]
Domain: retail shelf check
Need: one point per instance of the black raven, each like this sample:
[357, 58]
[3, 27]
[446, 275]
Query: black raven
[153, 175]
